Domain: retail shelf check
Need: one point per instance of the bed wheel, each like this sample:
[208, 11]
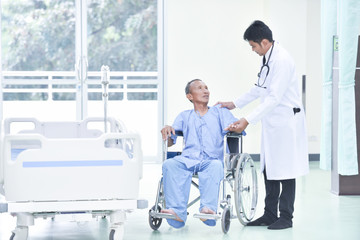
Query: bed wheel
[20, 233]
[111, 235]
[155, 222]
[12, 236]
[225, 219]
[117, 234]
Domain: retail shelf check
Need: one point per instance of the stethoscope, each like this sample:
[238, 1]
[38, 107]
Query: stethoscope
[266, 67]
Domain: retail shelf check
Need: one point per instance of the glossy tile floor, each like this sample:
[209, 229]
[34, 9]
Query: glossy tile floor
[318, 215]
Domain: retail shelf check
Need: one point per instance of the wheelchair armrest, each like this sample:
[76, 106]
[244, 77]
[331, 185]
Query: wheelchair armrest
[172, 154]
[233, 140]
[179, 133]
[235, 134]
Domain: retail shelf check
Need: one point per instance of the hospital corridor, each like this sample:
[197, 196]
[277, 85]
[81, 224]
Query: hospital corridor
[169, 120]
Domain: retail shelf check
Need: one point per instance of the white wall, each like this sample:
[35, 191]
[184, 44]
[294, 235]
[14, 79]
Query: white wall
[314, 75]
[204, 39]
[296, 25]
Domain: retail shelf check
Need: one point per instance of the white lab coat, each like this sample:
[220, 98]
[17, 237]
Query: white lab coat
[284, 146]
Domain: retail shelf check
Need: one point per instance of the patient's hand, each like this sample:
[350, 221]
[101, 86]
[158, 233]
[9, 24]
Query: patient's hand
[238, 126]
[228, 105]
[167, 131]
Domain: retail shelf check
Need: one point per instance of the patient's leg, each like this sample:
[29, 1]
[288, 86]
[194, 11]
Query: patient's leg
[170, 211]
[177, 181]
[210, 175]
[211, 172]
[206, 211]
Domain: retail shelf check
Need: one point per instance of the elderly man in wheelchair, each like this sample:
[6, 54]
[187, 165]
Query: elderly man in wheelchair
[202, 155]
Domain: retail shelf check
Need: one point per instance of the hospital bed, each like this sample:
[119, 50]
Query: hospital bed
[67, 170]
[239, 174]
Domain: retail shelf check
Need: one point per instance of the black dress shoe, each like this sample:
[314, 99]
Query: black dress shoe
[262, 221]
[280, 224]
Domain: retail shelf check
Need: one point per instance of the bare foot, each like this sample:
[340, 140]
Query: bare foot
[206, 211]
[170, 211]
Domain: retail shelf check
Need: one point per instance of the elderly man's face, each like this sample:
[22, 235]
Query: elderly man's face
[199, 92]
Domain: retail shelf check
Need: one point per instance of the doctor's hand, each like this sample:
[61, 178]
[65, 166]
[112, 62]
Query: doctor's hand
[228, 105]
[167, 131]
[237, 126]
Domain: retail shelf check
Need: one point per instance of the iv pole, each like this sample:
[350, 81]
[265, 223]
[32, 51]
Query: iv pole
[105, 82]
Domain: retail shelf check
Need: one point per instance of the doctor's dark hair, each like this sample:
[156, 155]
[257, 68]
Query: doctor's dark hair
[258, 31]
[187, 88]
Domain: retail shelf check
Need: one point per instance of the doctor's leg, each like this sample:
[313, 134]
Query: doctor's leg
[286, 205]
[177, 181]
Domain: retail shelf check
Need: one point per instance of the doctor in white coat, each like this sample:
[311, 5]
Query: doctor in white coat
[284, 151]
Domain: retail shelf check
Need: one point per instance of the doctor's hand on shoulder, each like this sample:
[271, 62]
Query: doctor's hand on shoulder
[228, 105]
[237, 126]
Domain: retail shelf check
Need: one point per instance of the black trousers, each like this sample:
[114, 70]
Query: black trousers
[275, 200]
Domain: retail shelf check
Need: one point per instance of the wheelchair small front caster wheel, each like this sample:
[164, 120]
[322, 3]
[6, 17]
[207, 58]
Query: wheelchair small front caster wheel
[153, 221]
[225, 220]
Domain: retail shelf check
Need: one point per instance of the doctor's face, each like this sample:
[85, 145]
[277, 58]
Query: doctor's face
[199, 92]
[258, 48]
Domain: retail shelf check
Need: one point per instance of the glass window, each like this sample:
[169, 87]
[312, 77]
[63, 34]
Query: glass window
[38, 35]
[122, 35]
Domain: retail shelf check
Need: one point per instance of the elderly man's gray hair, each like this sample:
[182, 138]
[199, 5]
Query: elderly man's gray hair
[187, 88]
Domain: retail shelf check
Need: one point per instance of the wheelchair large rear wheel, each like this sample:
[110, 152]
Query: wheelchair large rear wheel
[246, 189]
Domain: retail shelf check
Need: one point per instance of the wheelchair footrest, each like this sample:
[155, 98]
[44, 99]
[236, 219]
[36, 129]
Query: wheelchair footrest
[207, 216]
[162, 215]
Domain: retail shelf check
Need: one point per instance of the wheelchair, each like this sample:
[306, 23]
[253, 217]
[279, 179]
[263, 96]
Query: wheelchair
[239, 173]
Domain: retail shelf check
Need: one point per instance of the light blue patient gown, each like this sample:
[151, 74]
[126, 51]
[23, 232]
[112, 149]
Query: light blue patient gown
[202, 154]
